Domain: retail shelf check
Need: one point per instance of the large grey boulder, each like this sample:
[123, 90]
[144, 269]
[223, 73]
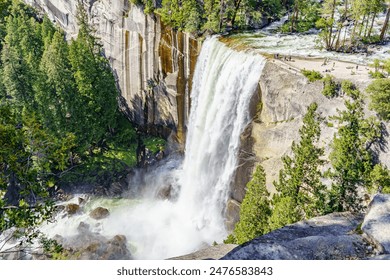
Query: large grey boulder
[334, 236]
[376, 225]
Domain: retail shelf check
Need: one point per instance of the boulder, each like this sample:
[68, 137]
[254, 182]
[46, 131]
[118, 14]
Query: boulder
[72, 208]
[116, 189]
[376, 225]
[81, 200]
[92, 246]
[164, 193]
[83, 227]
[159, 155]
[99, 213]
[332, 236]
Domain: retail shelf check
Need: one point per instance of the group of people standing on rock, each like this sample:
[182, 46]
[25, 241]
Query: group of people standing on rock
[281, 57]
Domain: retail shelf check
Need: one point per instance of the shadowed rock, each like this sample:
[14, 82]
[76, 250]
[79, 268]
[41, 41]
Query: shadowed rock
[328, 237]
[376, 225]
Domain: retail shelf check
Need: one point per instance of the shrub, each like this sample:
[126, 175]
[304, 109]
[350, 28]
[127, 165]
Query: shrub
[330, 87]
[380, 96]
[312, 75]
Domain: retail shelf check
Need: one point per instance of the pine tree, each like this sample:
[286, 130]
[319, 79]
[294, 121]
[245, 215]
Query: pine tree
[255, 209]
[95, 83]
[29, 156]
[284, 212]
[213, 17]
[380, 97]
[20, 57]
[4, 12]
[300, 177]
[56, 92]
[192, 15]
[351, 159]
[380, 179]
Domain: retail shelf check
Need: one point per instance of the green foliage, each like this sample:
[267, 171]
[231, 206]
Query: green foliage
[4, 12]
[386, 66]
[300, 177]
[311, 75]
[95, 84]
[378, 66]
[147, 4]
[347, 87]
[380, 179]
[338, 36]
[154, 144]
[304, 16]
[284, 212]
[351, 159]
[380, 97]
[212, 14]
[59, 118]
[376, 74]
[56, 93]
[50, 246]
[255, 209]
[330, 87]
[230, 239]
[216, 15]
[29, 160]
[20, 57]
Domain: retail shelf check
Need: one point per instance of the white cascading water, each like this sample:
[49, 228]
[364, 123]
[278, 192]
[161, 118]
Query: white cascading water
[223, 85]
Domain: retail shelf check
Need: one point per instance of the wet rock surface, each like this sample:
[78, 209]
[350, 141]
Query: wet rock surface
[87, 245]
[72, 208]
[99, 213]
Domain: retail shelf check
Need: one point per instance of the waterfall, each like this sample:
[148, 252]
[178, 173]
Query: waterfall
[223, 84]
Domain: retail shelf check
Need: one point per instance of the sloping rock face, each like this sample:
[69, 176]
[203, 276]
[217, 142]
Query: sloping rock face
[212, 252]
[152, 63]
[331, 237]
[376, 225]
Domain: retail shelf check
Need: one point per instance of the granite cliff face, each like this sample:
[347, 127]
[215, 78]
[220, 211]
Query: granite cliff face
[278, 109]
[283, 97]
[152, 63]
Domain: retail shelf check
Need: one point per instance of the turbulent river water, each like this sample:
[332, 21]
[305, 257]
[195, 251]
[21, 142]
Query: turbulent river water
[223, 84]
